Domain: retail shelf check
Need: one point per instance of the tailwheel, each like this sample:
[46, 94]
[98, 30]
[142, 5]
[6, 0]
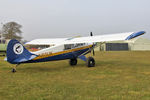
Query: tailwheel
[90, 62]
[13, 70]
[73, 62]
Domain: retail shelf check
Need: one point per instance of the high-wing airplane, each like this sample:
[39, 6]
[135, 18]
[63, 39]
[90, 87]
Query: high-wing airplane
[71, 48]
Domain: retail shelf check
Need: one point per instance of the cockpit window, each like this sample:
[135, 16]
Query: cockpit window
[71, 46]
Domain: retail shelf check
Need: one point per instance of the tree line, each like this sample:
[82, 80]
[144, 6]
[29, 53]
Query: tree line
[11, 30]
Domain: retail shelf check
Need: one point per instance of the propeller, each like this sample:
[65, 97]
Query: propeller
[93, 52]
[92, 49]
[91, 34]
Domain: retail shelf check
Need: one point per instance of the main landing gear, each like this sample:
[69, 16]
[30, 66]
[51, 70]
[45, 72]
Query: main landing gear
[90, 62]
[73, 62]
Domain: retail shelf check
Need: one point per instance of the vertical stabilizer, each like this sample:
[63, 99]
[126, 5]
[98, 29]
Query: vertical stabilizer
[17, 53]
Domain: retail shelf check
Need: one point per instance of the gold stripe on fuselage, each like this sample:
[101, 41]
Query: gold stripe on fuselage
[61, 52]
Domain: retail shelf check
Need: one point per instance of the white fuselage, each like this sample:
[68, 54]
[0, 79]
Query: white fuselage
[60, 47]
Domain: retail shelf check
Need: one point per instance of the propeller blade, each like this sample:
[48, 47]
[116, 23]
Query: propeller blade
[93, 52]
[91, 34]
[92, 49]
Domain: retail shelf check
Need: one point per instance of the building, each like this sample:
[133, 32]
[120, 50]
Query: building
[137, 44]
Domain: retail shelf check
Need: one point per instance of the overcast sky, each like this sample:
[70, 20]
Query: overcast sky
[67, 18]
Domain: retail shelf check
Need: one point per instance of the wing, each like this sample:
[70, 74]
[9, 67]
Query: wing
[105, 38]
[46, 41]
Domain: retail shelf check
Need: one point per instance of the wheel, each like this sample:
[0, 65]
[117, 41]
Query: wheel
[73, 62]
[90, 62]
[13, 70]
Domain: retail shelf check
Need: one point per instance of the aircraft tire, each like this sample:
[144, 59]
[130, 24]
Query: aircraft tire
[90, 62]
[73, 62]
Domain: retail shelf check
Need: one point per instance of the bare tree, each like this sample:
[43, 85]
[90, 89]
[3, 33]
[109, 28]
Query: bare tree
[11, 30]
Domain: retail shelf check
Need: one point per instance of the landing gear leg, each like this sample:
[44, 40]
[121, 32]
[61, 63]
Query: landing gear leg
[14, 69]
[90, 62]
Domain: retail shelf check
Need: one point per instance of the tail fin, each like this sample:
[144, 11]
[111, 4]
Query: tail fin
[17, 53]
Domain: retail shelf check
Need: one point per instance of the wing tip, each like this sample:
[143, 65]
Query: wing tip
[135, 34]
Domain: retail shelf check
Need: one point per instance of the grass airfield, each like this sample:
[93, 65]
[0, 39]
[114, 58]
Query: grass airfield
[117, 76]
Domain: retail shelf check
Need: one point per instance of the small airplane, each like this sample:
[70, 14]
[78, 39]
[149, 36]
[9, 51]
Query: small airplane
[71, 48]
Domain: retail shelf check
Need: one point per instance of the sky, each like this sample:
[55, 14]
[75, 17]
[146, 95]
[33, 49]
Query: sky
[69, 18]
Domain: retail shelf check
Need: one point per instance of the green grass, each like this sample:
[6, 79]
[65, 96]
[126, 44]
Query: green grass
[117, 76]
